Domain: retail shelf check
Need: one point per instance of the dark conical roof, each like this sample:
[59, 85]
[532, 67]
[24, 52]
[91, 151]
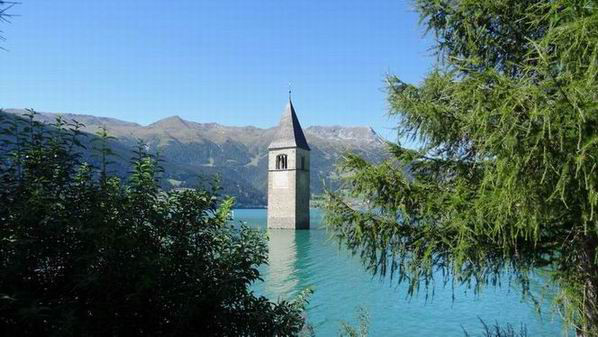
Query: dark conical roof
[289, 133]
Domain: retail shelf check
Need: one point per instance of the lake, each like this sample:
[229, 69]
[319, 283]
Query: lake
[309, 258]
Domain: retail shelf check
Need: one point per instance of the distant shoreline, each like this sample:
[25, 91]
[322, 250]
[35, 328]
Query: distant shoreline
[249, 207]
[266, 207]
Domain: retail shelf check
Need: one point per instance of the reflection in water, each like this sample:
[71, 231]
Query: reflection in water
[307, 258]
[282, 278]
[289, 262]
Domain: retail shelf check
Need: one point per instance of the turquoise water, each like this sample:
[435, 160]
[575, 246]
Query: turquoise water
[301, 259]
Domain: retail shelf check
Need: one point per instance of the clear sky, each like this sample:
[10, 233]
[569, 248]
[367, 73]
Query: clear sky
[224, 61]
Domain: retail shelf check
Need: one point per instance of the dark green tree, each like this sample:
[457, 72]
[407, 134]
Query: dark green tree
[83, 254]
[505, 177]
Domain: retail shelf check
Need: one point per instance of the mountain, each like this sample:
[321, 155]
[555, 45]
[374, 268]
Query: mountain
[237, 154]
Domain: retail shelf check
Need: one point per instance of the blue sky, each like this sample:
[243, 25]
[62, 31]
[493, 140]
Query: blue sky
[225, 61]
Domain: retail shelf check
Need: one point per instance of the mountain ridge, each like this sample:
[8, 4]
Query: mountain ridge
[237, 153]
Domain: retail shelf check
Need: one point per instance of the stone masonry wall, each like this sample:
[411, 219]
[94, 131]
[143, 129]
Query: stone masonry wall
[288, 190]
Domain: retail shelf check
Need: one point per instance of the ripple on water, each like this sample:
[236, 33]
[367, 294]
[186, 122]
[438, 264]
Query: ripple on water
[301, 259]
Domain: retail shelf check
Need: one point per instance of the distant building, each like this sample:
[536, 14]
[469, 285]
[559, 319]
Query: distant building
[288, 175]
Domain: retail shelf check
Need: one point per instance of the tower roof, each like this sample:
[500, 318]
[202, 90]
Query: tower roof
[289, 133]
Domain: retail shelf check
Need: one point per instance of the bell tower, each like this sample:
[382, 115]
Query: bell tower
[288, 174]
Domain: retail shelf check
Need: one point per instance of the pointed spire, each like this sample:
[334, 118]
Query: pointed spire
[289, 133]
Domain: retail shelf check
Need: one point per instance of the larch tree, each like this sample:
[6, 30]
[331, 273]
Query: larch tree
[504, 180]
[5, 15]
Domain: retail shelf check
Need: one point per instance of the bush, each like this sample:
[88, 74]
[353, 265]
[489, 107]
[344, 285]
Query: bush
[84, 254]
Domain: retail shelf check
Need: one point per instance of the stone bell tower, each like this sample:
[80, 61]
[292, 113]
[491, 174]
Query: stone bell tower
[288, 174]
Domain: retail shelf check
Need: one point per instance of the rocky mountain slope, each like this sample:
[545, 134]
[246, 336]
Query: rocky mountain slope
[192, 150]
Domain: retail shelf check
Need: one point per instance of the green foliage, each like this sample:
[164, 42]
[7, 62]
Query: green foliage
[497, 331]
[505, 179]
[84, 254]
[5, 15]
[347, 330]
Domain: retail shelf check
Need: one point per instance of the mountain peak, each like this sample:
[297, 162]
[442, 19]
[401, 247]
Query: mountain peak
[170, 122]
[343, 133]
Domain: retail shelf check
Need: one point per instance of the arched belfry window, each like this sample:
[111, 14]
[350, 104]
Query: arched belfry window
[281, 162]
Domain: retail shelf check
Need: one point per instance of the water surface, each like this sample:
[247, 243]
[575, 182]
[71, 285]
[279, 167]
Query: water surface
[309, 258]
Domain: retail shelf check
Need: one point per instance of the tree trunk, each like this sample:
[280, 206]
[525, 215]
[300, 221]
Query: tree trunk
[589, 324]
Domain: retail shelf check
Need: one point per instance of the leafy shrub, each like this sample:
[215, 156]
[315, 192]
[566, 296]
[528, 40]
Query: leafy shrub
[84, 254]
